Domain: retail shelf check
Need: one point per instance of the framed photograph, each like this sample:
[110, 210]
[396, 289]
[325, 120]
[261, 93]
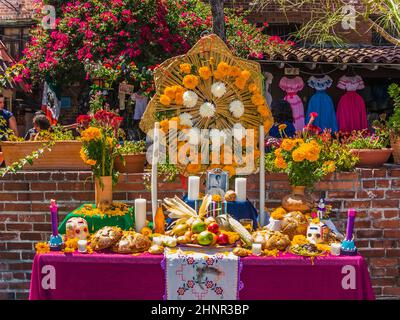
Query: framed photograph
[217, 182]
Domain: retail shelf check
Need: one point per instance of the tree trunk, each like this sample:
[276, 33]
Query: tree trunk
[217, 10]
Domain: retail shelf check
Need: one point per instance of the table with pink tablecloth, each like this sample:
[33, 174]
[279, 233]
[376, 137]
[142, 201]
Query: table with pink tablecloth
[141, 277]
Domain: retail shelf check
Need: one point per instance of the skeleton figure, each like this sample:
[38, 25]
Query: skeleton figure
[77, 228]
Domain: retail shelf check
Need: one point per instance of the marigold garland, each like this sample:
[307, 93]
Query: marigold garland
[42, 248]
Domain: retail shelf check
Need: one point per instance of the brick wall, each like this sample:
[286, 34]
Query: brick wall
[26, 12]
[25, 218]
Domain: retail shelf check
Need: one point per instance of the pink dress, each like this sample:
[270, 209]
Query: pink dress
[291, 86]
[351, 113]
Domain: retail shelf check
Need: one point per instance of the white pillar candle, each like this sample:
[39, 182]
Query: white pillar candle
[193, 188]
[262, 215]
[335, 249]
[140, 214]
[82, 246]
[240, 189]
[256, 249]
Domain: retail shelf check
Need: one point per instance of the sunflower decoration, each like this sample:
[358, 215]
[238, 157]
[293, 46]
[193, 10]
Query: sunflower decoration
[209, 88]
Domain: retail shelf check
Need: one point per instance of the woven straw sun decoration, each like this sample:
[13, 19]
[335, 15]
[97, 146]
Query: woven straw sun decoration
[211, 87]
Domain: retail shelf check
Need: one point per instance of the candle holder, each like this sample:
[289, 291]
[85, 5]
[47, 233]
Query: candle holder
[348, 248]
[56, 242]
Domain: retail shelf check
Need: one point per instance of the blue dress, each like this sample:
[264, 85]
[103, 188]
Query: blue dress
[322, 104]
[289, 131]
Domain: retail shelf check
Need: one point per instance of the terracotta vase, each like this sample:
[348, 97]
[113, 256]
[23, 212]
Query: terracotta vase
[372, 158]
[134, 163]
[103, 192]
[297, 200]
[1, 158]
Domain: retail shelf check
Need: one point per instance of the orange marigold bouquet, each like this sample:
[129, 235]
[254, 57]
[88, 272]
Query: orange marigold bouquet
[301, 160]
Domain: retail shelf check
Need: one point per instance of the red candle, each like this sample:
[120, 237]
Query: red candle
[54, 213]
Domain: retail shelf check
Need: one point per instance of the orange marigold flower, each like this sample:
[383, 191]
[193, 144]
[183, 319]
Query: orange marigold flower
[216, 198]
[185, 68]
[230, 169]
[223, 68]
[257, 99]
[190, 81]
[193, 168]
[263, 111]
[280, 163]
[165, 100]
[218, 75]
[90, 134]
[234, 72]
[240, 83]
[253, 87]
[245, 74]
[170, 92]
[288, 144]
[205, 73]
[91, 162]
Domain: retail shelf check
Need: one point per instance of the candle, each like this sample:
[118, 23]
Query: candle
[140, 214]
[240, 189]
[263, 217]
[82, 246]
[193, 188]
[256, 249]
[335, 249]
[54, 212]
[351, 216]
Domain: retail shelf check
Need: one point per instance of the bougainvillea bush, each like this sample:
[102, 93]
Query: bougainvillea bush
[120, 40]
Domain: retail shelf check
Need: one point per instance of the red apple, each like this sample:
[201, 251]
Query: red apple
[213, 227]
[222, 239]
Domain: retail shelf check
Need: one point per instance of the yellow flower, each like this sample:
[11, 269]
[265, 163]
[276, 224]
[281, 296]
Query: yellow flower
[240, 83]
[164, 125]
[218, 75]
[216, 198]
[190, 81]
[278, 152]
[280, 163]
[72, 243]
[170, 92]
[83, 155]
[42, 247]
[146, 231]
[245, 74]
[212, 60]
[230, 169]
[278, 214]
[69, 250]
[91, 162]
[329, 166]
[165, 100]
[299, 239]
[253, 87]
[257, 99]
[193, 168]
[185, 68]
[223, 68]
[288, 144]
[205, 73]
[298, 155]
[234, 72]
[90, 134]
[89, 249]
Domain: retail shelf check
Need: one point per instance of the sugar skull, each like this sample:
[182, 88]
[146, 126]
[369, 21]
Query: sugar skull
[317, 233]
[77, 228]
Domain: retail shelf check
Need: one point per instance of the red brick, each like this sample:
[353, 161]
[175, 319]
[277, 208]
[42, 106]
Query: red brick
[14, 206]
[392, 234]
[10, 256]
[341, 195]
[40, 207]
[281, 185]
[358, 204]
[379, 173]
[43, 186]
[382, 243]
[22, 295]
[370, 184]
[396, 184]
[395, 291]
[383, 262]
[365, 173]
[335, 185]
[343, 176]
[31, 196]
[395, 173]
[386, 224]
[42, 227]
[372, 252]
[32, 236]
[393, 252]
[46, 176]
[385, 203]
[71, 186]
[276, 177]
[85, 176]
[19, 285]
[6, 196]
[19, 227]
[362, 224]
[58, 196]
[31, 217]
[83, 196]
[21, 266]
[8, 217]
[393, 194]
[392, 272]
[16, 186]
[384, 281]
[60, 176]
[135, 187]
[366, 233]
[4, 236]
[27, 255]
[389, 214]
[20, 246]
[383, 183]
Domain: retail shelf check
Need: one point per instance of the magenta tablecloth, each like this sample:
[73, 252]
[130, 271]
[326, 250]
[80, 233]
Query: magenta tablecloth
[113, 276]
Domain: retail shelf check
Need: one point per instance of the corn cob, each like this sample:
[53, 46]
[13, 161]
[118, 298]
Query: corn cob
[237, 227]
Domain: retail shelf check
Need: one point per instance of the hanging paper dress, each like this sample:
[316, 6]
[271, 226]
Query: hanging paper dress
[322, 104]
[351, 113]
[291, 86]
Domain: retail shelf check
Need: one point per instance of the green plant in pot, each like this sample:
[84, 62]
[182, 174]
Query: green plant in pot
[371, 149]
[133, 157]
[393, 125]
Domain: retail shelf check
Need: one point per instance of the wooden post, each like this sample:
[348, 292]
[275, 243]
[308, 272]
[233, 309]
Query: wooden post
[217, 10]
[154, 162]
[262, 217]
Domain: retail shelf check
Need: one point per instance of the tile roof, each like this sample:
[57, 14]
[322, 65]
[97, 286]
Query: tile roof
[378, 55]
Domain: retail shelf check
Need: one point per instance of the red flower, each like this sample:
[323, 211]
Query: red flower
[219, 290]
[190, 260]
[190, 283]
[313, 115]
[83, 119]
[210, 261]
[209, 284]
[181, 291]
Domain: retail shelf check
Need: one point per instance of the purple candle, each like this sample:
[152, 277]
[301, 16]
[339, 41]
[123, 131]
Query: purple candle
[54, 213]
[351, 216]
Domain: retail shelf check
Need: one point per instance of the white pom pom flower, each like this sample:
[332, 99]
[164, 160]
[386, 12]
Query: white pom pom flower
[207, 109]
[193, 136]
[236, 107]
[190, 99]
[239, 132]
[218, 89]
[185, 119]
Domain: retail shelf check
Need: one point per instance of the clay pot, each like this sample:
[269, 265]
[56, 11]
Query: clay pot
[134, 163]
[103, 192]
[372, 158]
[1, 158]
[297, 201]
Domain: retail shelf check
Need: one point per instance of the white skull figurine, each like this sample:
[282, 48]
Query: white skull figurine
[314, 233]
[77, 228]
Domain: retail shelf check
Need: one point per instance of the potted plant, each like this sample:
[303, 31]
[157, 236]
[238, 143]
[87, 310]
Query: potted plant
[394, 122]
[52, 150]
[371, 149]
[99, 150]
[133, 157]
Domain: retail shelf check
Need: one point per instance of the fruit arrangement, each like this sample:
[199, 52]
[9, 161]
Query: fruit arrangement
[195, 228]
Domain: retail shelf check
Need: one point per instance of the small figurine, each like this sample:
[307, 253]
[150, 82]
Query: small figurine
[321, 209]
